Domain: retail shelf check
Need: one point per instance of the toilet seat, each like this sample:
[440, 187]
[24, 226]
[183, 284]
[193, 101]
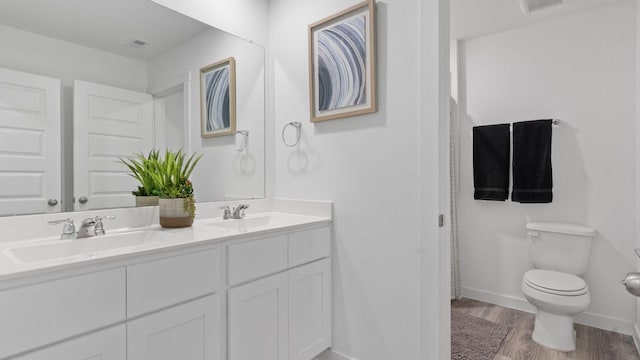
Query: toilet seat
[555, 282]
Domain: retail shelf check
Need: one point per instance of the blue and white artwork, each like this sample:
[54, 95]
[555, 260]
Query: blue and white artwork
[216, 99]
[342, 64]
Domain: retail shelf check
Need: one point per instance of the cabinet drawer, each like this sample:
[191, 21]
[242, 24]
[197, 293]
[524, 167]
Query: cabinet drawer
[161, 283]
[257, 258]
[40, 314]
[307, 246]
[109, 344]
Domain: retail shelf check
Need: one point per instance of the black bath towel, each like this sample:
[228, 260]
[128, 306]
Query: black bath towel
[491, 162]
[532, 175]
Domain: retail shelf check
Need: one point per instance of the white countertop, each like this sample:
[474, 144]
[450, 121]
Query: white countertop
[148, 240]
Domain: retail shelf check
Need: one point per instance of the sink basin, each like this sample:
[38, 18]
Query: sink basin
[246, 224]
[84, 247]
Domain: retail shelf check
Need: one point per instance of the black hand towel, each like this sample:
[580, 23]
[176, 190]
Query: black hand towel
[491, 162]
[532, 175]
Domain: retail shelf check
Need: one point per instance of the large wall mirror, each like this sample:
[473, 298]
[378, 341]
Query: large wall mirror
[85, 82]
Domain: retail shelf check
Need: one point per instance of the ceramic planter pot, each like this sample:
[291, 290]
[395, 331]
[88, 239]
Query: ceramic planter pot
[176, 213]
[147, 201]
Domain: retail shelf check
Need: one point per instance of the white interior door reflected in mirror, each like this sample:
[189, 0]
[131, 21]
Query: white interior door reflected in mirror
[29, 143]
[109, 123]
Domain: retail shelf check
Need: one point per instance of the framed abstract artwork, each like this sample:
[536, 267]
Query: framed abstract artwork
[342, 64]
[218, 98]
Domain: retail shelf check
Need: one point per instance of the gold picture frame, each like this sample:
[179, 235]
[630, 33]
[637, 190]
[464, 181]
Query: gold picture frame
[218, 98]
[342, 64]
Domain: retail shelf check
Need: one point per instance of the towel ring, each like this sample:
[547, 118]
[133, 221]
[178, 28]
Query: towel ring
[298, 126]
[245, 136]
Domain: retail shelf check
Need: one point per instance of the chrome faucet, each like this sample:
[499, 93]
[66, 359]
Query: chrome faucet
[90, 227]
[238, 211]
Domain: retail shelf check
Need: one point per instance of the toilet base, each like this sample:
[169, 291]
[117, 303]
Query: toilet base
[554, 331]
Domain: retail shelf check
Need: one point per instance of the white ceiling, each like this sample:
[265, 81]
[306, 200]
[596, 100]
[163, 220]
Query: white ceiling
[109, 25]
[474, 18]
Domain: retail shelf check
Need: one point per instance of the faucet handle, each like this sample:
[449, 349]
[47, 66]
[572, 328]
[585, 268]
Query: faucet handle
[99, 226]
[56, 222]
[102, 217]
[68, 230]
[227, 211]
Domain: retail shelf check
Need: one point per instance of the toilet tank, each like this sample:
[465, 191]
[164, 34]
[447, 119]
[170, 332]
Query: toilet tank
[560, 247]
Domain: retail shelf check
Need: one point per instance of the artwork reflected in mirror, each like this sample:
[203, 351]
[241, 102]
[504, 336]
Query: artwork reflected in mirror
[218, 98]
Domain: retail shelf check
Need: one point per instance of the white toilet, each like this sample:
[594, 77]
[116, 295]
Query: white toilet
[560, 254]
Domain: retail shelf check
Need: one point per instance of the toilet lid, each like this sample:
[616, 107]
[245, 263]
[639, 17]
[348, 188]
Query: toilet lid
[554, 282]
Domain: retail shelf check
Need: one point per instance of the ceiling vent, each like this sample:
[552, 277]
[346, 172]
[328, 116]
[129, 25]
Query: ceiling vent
[138, 43]
[533, 5]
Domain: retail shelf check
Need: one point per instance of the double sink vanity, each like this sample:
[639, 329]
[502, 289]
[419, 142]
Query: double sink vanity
[237, 289]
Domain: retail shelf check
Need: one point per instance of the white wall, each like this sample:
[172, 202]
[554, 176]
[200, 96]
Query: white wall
[244, 18]
[25, 51]
[223, 172]
[370, 167]
[578, 69]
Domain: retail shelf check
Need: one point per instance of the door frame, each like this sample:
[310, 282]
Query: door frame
[435, 268]
[181, 82]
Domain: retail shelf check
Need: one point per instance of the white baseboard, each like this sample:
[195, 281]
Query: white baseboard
[586, 318]
[636, 337]
[330, 354]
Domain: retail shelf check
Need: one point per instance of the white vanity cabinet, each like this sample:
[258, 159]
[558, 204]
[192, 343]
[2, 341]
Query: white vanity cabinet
[167, 308]
[262, 296]
[286, 315]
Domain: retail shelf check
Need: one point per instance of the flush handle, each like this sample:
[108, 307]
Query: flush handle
[533, 233]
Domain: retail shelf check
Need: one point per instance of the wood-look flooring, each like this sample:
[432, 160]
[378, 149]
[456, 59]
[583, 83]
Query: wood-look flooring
[591, 343]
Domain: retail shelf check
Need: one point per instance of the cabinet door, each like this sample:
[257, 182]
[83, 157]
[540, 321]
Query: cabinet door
[186, 332]
[258, 320]
[109, 344]
[310, 310]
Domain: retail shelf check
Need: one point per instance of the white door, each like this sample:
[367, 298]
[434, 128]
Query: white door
[258, 324]
[109, 344]
[309, 310]
[108, 123]
[29, 143]
[186, 332]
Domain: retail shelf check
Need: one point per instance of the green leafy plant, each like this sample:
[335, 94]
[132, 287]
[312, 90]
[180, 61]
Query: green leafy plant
[145, 169]
[173, 174]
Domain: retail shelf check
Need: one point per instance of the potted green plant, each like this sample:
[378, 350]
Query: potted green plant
[143, 169]
[177, 203]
